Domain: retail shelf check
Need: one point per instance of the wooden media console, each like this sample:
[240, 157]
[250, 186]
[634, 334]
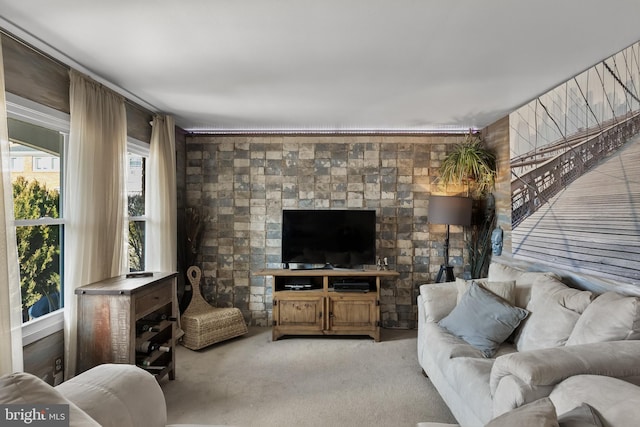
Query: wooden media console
[326, 302]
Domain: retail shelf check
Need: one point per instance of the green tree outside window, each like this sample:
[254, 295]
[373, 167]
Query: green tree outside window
[38, 245]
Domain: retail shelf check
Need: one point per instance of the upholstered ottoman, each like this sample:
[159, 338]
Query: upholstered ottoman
[204, 325]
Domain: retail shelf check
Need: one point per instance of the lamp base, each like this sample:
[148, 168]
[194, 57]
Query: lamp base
[446, 271]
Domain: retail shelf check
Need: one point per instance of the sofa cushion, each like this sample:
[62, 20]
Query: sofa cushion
[483, 319]
[22, 388]
[505, 290]
[539, 413]
[444, 346]
[615, 401]
[500, 272]
[555, 309]
[609, 317]
[438, 300]
[469, 377]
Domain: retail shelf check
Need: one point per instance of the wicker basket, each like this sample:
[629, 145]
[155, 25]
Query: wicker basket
[204, 325]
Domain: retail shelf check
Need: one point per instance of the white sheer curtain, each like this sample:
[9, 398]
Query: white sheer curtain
[161, 207]
[10, 299]
[94, 200]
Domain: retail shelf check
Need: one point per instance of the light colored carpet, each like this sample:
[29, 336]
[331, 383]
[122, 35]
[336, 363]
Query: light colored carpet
[304, 381]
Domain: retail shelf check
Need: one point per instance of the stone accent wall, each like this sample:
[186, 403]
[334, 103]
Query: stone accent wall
[244, 182]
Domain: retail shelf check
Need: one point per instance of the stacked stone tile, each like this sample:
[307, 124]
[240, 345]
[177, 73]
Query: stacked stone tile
[244, 182]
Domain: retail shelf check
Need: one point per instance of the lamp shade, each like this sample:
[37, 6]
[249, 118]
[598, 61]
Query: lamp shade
[452, 210]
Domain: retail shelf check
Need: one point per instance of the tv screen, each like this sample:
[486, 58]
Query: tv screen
[332, 238]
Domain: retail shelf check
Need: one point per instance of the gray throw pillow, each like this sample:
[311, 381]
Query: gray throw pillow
[483, 319]
[582, 416]
[539, 413]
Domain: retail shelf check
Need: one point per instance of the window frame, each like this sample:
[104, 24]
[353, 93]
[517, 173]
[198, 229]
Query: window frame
[40, 115]
[37, 114]
[142, 149]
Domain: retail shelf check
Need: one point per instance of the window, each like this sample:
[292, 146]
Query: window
[37, 199]
[17, 164]
[49, 163]
[39, 132]
[34, 128]
[137, 155]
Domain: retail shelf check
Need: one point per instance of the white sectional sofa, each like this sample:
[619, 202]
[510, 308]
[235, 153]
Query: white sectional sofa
[580, 400]
[535, 335]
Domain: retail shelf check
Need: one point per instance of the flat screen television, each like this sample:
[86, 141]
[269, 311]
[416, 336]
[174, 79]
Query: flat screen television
[328, 238]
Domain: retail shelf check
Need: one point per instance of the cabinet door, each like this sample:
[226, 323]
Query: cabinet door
[353, 313]
[302, 313]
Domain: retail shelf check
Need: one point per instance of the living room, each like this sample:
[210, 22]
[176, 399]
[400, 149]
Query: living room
[240, 181]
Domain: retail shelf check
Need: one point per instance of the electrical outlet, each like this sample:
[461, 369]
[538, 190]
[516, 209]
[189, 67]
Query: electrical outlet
[58, 372]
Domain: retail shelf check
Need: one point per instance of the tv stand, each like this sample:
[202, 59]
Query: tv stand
[321, 308]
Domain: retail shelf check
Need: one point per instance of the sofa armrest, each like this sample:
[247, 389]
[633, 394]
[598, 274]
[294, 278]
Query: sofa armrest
[438, 299]
[523, 377]
[21, 388]
[620, 359]
[118, 395]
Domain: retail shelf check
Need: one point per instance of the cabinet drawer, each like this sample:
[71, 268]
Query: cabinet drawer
[156, 298]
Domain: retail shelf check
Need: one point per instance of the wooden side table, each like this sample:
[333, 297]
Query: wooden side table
[120, 318]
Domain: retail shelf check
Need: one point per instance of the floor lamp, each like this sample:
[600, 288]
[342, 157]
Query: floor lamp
[449, 210]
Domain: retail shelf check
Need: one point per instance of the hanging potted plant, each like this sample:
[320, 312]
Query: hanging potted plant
[473, 167]
[470, 164]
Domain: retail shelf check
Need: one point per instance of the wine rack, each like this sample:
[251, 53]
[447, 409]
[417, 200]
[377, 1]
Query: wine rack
[117, 316]
[158, 334]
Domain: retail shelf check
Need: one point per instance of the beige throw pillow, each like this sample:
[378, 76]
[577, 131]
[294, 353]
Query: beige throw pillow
[610, 317]
[524, 280]
[555, 309]
[505, 290]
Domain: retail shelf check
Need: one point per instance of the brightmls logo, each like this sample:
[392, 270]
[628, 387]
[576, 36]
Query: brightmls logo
[34, 415]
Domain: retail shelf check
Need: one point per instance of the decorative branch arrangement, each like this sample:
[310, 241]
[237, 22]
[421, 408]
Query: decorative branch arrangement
[194, 229]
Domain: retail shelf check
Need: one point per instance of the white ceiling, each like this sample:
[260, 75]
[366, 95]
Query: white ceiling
[328, 65]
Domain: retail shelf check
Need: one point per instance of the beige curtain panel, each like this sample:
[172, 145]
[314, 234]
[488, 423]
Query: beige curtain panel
[10, 299]
[161, 210]
[95, 199]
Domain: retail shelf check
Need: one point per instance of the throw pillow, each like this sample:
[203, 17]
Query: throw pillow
[505, 290]
[555, 308]
[610, 317]
[582, 416]
[524, 280]
[539, 413]
[483, 319]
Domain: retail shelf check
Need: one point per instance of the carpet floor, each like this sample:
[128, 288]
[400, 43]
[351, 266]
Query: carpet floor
[304, 381]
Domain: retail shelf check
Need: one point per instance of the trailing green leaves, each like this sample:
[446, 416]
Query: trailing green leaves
[471, 164]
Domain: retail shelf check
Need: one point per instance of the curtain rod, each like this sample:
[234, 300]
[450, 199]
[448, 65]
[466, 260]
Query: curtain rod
[139, 104]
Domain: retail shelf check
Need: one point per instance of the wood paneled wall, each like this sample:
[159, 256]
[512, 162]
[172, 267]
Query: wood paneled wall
[34, 76]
